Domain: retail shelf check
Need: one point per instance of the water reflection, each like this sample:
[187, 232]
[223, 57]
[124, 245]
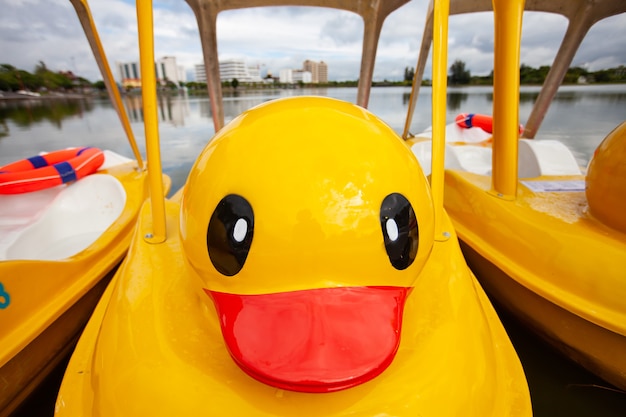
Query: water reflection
[171, 109]
[24, 113]
[455, 100]
[186, 125]
[526, 97]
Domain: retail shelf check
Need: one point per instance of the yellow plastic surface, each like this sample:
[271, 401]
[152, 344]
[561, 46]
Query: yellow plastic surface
[440, 82]
[35, 294]
[315, 171]
[545, 249]
[549, 244]
[41, 290]
[156, 234]
[508, 33]
[606, 180]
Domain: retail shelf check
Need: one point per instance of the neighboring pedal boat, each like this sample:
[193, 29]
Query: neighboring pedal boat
[60, 246]
[545, 237]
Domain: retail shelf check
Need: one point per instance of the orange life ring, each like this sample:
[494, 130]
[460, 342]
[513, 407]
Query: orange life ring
[468, 120]
[49, 170]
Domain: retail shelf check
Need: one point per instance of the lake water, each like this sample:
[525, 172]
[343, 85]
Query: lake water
[580, 117]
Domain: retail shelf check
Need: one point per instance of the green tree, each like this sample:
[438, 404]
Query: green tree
[458, 73]
[28, 81]
[234, 83]
[8, 78]
[100, 85]
[409, 73]
[574, 73]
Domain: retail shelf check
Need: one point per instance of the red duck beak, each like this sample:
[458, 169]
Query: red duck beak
[319, 340]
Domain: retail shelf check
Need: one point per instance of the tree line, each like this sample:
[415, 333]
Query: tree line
[460, 75]
[15, 79]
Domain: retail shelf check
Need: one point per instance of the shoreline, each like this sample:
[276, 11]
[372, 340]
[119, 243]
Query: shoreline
[10, 95]
[14, 96]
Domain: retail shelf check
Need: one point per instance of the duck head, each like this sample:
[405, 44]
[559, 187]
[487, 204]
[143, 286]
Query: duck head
[308, 221]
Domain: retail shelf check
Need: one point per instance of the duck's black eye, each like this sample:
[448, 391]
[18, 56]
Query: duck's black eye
[230, 234]
[400, 230]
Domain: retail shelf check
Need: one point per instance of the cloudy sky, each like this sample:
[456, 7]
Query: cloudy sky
[278, 38]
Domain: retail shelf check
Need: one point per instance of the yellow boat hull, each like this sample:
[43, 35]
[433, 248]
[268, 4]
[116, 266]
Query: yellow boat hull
[48, 302]
[545, 258]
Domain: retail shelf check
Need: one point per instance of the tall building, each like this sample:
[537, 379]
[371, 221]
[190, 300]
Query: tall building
[165, 70]
[322, 72]
[318, 70]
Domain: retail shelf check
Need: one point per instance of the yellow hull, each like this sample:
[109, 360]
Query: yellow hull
[545, 258]
[28, 369]
[48, 302]
[454, 357]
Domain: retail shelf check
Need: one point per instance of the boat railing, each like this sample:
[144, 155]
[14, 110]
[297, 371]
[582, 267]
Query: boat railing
[440, 83]
[150, 117]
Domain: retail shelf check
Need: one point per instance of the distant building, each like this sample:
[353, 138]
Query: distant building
[129, 73]
[285, 76]
[165, 70]
[302, 76]
[200, 73]
[231, 69]
[318, 70]
[255, 73]
[322, 74]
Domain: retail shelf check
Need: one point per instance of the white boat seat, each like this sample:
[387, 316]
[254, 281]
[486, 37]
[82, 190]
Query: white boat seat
[476, 159]
[545, 157]
[71, 222]
[536, 158]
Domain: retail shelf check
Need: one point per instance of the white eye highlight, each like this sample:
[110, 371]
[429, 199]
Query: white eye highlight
[392, 229]
[240, 230]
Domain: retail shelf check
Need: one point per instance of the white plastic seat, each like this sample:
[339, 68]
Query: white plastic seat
[536, 158]
[73, 221]
[475, 159]
[545, 157]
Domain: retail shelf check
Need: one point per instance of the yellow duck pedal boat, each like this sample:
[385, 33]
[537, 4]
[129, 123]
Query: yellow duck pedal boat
[306, 268]
[300, 276]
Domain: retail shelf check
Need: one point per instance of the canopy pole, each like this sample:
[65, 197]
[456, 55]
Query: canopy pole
[427, 39]
[508, 33]
[89, 27]
[150, 119]
[440, 82]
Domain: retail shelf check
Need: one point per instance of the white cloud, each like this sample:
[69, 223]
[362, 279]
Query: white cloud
[281, 37]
